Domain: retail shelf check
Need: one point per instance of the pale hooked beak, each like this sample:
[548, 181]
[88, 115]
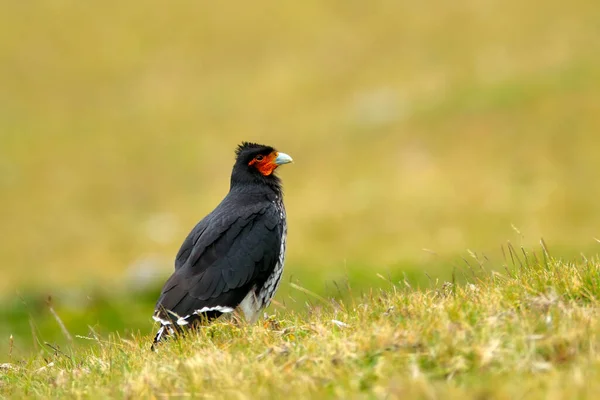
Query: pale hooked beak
[283, 158]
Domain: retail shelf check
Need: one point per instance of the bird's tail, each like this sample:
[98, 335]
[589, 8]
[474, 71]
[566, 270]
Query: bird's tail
[166, 329]
[163, 332]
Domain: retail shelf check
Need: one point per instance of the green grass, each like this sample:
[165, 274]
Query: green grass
[413, 125]
[29, 317]
[531, 331]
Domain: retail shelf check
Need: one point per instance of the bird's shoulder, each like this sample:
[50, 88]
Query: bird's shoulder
[215, 235]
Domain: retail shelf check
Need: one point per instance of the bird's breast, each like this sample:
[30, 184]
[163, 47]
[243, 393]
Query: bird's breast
[269, 288]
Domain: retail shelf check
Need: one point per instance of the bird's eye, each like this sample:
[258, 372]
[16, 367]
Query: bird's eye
[259, 158]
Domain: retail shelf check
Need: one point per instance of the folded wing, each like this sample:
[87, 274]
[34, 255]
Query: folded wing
[220, 261]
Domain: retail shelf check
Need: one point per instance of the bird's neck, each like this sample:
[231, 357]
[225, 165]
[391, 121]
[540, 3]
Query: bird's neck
[270, 187]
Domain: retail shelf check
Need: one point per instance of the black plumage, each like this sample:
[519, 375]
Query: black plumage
[233, 258]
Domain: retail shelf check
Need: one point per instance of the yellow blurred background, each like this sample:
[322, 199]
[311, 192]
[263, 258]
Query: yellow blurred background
[431, 124]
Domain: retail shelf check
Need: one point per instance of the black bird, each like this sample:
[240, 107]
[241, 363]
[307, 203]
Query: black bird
[233, 258]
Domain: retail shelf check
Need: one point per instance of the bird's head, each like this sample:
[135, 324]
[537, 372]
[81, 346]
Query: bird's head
[257, 163]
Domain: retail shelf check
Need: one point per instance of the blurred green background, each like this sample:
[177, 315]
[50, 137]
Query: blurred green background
[431, 124]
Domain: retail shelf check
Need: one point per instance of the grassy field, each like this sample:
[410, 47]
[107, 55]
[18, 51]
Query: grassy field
[530, 332]
[419, 130]
[410, 129]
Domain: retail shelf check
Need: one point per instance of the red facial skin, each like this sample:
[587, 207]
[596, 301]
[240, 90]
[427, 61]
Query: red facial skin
[267, 165]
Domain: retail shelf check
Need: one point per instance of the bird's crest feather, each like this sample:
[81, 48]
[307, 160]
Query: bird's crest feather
[246, 145]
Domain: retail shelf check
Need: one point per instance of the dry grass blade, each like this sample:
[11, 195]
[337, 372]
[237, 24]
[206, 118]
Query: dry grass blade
[59, 321]
[311, 294]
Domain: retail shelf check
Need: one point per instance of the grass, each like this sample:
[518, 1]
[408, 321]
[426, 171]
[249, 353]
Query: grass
[530, 331]
[413, 125]
[29, 320]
